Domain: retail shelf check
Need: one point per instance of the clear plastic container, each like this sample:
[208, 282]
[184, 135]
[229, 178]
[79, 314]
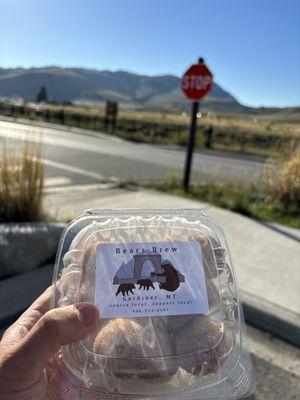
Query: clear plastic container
[171, 324]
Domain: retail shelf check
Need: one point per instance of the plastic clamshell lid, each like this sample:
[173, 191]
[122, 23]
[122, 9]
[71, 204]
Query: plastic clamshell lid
[171, 321]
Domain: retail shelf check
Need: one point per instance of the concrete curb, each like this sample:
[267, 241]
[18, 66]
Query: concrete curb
[18, 292]
[270, 318]
[25, 246]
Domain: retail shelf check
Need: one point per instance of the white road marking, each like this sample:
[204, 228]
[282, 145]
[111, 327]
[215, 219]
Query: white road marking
[75, 170]
[57, 181]
[79, 188]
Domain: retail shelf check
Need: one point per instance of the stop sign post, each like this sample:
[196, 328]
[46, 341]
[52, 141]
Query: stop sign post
[195, 84]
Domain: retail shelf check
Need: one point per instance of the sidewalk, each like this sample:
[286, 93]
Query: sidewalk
[266, 256]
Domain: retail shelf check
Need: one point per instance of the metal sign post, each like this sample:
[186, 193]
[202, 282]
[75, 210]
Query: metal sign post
[195, 84]
[191, 144]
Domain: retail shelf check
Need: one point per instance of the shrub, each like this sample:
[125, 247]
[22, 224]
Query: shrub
[21, 184]
[283, 180]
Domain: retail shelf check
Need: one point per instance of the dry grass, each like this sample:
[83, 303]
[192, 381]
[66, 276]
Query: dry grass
[21, 184]
[283, 180]
[278, 200]
[239, 124]
[259, 134]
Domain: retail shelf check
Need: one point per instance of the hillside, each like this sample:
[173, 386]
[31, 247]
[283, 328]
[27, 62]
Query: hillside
[77, 84]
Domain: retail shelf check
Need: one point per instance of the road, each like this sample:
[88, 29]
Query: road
[76, 156]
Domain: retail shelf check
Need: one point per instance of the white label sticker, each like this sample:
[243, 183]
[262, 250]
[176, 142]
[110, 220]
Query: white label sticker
[150, 279]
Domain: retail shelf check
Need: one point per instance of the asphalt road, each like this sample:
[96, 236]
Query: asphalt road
[76, 156]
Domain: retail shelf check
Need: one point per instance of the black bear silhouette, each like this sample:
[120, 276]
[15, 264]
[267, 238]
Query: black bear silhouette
[145, 284]
[172, 279]
[125, 288]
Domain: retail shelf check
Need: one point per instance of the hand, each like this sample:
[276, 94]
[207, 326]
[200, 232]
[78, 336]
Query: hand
[28, 346]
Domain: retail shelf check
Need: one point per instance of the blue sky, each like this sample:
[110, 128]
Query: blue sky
[252, 46]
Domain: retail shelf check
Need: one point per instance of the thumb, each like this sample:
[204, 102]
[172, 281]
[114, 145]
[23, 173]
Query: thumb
[57, 327]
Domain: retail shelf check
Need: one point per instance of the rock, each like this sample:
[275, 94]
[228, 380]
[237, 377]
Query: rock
[25, 246]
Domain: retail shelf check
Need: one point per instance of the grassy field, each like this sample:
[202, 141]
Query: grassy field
[276, 199]
[259, 134]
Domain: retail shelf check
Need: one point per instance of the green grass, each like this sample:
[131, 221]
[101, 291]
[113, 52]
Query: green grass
[246, 200]
[276, 198]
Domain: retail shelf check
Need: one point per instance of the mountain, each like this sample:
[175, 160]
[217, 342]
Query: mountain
[79, 84]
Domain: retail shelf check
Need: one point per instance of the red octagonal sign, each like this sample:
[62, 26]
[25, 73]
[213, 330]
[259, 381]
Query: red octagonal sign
[196, 82]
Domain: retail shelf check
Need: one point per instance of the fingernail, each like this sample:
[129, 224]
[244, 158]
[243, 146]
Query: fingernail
[88, 313]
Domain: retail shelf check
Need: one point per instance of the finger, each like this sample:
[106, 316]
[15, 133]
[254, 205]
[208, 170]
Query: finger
[41, 304]
[55, 328]
[26, 321]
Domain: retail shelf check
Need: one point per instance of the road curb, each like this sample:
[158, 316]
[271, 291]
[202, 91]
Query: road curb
[271, 318]
[18, 292]
[27, 245]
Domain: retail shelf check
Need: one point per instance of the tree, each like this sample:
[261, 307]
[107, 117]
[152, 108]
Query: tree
[42, 95]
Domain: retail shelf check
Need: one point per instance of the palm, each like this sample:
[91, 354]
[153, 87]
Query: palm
[36, 387]
[28, 362]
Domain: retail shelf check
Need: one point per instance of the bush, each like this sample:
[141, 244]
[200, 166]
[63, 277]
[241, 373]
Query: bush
[21, 185]
[283, 181]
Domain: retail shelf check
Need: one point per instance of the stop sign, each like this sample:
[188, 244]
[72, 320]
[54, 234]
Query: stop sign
[196, 82]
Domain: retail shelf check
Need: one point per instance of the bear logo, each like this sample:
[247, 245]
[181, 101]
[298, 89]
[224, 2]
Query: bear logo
[134, 272]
